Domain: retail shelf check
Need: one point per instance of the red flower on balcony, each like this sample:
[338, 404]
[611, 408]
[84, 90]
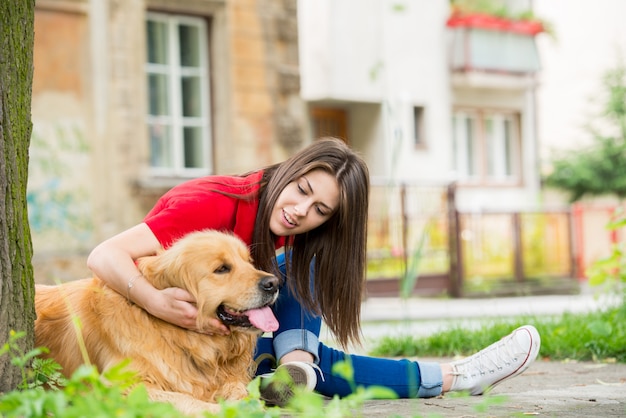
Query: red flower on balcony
[490, 22]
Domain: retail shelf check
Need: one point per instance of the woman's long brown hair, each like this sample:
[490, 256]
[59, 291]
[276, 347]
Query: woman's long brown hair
[338, 246]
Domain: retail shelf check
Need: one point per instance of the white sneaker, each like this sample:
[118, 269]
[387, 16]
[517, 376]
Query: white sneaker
[501, 360]
[279, 393]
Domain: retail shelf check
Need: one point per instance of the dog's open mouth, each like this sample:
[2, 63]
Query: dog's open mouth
[261, 318]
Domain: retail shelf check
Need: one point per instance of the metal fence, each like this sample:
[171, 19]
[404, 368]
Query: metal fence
[419, 243]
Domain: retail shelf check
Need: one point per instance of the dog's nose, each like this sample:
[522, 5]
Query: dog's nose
[269, 284]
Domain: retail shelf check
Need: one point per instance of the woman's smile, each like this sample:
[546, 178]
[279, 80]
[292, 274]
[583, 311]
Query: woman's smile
[288, 219]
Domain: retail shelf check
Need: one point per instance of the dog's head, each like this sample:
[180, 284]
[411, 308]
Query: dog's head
[216, 268]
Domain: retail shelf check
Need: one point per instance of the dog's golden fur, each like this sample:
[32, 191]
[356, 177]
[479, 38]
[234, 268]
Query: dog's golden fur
[187, 368]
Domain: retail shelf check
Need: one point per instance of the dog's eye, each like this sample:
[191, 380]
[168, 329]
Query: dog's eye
[223, 269]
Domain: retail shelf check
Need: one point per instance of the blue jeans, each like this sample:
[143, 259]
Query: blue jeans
[300, 329]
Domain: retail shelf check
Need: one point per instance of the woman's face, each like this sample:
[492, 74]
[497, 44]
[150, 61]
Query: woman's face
[305, 203]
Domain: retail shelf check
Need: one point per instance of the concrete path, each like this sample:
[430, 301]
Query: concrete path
[546, 389]
[423, 316]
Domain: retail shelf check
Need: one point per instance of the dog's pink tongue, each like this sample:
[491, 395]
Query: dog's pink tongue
[263, 319]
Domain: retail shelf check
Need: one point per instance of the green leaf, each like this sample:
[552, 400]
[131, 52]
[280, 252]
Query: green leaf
[379, 392]
[344, 369]
[600, 328]
[407, 282]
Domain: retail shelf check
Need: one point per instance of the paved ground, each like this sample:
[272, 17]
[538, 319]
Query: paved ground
[547, 389]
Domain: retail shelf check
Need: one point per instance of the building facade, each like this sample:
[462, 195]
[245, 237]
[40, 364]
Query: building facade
[427, 96]
[132, 97]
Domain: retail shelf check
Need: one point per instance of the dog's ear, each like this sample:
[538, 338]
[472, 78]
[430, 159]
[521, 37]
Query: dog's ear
[169, 269]
[152, 269]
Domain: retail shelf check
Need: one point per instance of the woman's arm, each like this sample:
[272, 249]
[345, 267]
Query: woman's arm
[114, 262]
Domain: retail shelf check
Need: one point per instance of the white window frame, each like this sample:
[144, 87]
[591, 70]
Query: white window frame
[176, 121]
[482, 158]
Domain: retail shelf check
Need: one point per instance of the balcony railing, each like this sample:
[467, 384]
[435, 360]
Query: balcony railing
[493, 44]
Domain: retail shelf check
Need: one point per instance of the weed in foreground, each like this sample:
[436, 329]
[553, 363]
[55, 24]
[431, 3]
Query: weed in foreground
[44, 392]
[117, 392]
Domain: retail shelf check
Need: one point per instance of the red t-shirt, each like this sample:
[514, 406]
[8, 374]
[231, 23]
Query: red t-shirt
[196, 205]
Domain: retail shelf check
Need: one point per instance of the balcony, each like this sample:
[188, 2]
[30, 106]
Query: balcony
[493, 50]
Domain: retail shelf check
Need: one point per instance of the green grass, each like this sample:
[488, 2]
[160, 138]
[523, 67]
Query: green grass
[595, 336]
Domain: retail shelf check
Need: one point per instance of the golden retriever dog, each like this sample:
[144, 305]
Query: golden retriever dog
[189, 369]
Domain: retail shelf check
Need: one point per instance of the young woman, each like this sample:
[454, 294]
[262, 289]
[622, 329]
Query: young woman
[304, 219]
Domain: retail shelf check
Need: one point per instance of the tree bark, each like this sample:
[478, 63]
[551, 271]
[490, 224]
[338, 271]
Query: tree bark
[17, 292]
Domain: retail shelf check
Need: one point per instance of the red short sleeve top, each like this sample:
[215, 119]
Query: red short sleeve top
[198, 204]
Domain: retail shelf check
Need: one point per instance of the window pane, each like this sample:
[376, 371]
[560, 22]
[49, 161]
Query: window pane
[503, 51]
[486, 146]
[418, 126]
[472, 147]
[492, 147]
[161, 154]
[465, 146]
[191, 91]
[194, 153]
[500, 147]
[508, 147]
[178, 115]
[157, 42]
[158, 97]
[189, 46]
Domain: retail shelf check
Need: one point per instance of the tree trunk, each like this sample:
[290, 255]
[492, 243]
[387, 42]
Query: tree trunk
[16, 272]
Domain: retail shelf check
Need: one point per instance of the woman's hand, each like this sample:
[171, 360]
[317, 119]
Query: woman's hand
[114, 262]
[178, 307]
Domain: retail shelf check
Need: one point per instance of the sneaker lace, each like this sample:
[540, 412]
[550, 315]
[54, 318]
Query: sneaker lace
[491, 360]
[316, 367]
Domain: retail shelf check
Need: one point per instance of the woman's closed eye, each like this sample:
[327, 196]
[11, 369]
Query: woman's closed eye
[321, 210]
